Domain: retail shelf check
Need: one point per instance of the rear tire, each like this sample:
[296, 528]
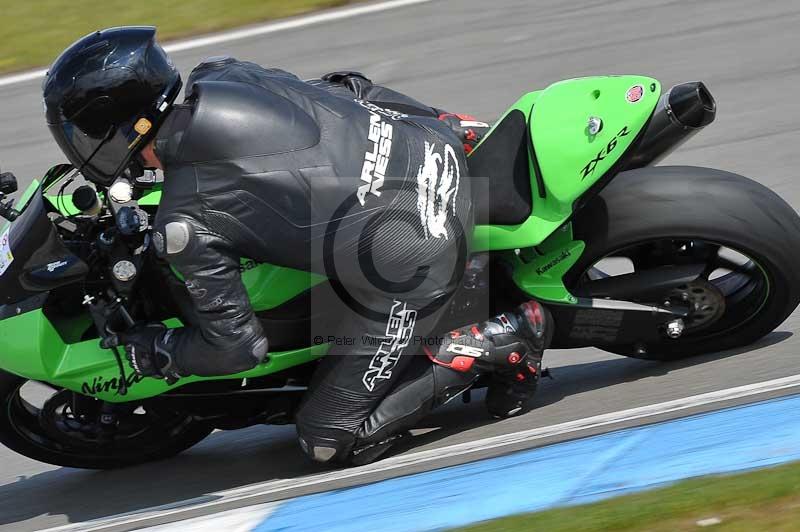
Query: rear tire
[685, 202]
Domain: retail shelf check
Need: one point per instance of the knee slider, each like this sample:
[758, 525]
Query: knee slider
[324, 445]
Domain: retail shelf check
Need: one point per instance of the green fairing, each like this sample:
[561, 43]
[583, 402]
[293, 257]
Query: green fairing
[570, 160]
[270, 286]
[39, 353]
[152, 198]
[558, 117]
[542, 275]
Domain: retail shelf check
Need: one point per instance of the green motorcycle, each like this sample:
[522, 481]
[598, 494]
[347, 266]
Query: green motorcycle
[645, 261]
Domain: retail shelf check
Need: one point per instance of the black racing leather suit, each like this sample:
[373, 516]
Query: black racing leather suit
[262, 165]
[335, 176]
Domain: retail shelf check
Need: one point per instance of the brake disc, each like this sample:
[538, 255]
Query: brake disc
[706, 303]
[63, 425]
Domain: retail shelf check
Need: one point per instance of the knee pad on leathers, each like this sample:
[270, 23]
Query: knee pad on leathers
[324, 445]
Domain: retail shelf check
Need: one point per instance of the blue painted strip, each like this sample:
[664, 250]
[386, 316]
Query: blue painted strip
[579, 471]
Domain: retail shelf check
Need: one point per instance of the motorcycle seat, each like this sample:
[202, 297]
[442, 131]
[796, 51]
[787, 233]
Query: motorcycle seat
[500, 173]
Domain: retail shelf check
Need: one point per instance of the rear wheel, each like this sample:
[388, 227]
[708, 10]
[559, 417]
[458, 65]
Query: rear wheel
[63, 428]
[747, 238]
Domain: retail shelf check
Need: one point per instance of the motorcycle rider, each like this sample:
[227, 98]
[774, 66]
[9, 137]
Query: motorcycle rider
[258, 164]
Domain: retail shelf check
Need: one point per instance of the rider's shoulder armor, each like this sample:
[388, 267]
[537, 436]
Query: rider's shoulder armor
[230, 120]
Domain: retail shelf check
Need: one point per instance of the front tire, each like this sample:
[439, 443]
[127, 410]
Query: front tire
[688, 204]
[65, 439]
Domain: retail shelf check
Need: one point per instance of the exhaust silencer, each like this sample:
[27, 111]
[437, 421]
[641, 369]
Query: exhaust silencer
[680, 113]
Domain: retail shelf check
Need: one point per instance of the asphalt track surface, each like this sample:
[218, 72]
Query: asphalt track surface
[478, 56]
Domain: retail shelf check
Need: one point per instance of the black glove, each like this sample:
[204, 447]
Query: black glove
[357, 82]
[147, 349]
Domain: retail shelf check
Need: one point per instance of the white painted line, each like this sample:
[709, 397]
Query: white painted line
[212, 500]
[319, 18]
[240, 520]
[235, 35]
[23, 77]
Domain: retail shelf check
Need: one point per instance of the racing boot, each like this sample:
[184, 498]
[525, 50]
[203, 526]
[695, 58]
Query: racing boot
[509, 347]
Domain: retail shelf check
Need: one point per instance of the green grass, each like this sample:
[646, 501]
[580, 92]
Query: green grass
[35, 31]
[763, 500]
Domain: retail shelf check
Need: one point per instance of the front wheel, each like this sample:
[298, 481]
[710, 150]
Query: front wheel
[63, 428]
[745, 235]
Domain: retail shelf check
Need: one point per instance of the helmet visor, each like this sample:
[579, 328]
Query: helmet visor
[99, 149]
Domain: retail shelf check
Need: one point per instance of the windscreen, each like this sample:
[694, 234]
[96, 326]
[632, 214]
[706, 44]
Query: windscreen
[35, 260]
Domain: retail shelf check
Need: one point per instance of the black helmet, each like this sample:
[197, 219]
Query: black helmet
[105, 97]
